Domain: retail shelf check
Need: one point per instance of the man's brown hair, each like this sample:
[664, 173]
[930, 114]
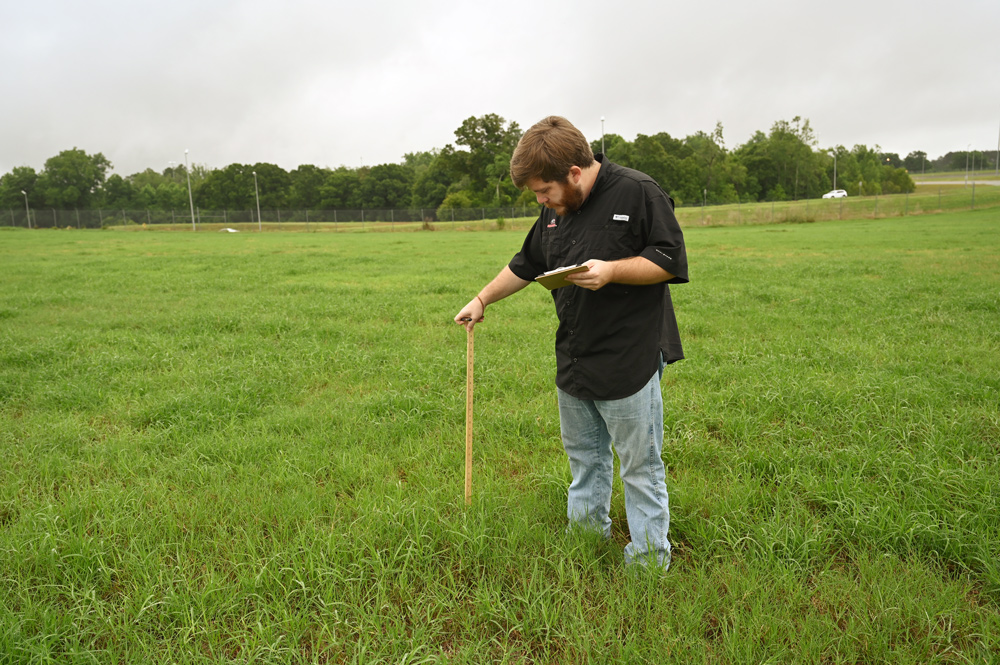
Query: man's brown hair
[548, 150]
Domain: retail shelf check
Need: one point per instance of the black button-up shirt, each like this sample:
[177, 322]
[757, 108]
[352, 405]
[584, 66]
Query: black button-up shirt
[609, 341]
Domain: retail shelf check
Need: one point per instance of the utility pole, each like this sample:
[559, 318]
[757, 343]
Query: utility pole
[187, 170]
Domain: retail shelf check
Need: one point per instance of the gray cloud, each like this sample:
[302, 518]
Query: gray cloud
[340, 83]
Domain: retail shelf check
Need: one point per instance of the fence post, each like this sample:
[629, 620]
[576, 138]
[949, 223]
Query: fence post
[973, 194]
[100, 215]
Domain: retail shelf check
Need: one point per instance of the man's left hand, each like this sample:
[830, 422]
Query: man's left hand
[599, 274]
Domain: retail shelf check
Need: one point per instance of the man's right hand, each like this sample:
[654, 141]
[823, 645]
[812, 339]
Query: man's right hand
[471, 314]
[503, 285]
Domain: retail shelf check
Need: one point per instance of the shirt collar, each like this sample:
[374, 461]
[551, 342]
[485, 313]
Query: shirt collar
[599, 181]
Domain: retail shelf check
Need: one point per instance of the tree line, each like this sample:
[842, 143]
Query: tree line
[782, 164]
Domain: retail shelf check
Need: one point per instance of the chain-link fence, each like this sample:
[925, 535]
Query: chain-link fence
[748, 213]
[47, 218]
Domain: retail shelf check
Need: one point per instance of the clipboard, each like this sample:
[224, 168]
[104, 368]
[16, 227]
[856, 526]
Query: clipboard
[556, 279]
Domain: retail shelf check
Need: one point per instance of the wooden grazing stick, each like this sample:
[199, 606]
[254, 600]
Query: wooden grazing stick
[468, 419]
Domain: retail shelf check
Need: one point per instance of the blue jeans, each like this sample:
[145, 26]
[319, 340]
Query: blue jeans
[635, 425]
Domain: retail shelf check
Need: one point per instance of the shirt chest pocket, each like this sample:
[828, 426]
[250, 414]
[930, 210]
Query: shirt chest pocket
[620, 236]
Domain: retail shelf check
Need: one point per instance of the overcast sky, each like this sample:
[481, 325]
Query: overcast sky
[351, 83]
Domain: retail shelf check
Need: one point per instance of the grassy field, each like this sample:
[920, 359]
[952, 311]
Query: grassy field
[249, 448]
[978, 174]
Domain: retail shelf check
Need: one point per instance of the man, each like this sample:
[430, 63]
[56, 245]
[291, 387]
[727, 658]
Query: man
[616, 322]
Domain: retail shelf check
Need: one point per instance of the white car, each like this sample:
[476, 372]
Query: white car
[835, 194]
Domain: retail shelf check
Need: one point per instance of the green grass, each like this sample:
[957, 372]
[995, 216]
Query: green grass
[249, 448]
[978, 174]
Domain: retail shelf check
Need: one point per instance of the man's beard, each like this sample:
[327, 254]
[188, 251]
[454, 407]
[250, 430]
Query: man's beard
[572, 199]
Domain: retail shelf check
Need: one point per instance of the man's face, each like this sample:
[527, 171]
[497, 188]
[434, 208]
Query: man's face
[564, 197]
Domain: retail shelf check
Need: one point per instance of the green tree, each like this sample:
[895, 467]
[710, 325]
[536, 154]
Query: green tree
[230, 188]
[72, 179]
[149, 178]
[432, 177]
[490, 141]
[306, 181]
[386, 186]
[454, 201]
[418, 160]
[273, 183]
[892, 159]
[616, 148]
[172, 196]
[20, 179]
[782, 164]
[896, 181]
[118, 193]
[916, 161]
[341, 189]
[446, 175]
[869, 169]
[665, 160]
[720, 177]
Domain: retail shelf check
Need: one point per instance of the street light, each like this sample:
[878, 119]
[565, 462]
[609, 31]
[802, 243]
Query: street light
[967, 164]
[27, 210]
[187, 170]
[257, 195]
[602, 134]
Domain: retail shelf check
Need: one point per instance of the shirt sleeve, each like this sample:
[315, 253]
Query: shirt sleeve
[529, 263]
[664, 240]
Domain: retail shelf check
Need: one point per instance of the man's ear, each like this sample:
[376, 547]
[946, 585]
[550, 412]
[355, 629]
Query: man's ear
[575, 173]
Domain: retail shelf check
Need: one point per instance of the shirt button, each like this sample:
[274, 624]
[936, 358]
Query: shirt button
[572, 242]
[575, 359]
[571, 332]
